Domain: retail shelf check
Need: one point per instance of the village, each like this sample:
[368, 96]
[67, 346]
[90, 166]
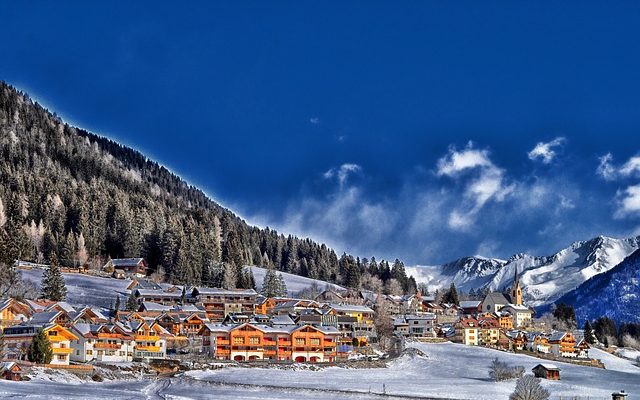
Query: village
[240, 325]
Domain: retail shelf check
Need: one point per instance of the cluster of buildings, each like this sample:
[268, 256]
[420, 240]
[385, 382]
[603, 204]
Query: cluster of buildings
[241, 325]
[78, 334]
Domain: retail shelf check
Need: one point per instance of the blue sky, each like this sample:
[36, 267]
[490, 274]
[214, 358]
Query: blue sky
[424, 130]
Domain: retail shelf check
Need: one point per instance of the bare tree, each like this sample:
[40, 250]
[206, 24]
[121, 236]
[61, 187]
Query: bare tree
[500, 371]
[383, 323]
[529, 388]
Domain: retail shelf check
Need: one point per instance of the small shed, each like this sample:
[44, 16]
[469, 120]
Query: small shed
[547, 371]
[621, 395]
[10, 371]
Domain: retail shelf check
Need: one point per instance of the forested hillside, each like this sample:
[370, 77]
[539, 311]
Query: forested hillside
[84, 198]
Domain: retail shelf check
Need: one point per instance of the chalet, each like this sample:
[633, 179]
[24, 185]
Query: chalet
[183, 324]
[489, 331]
[10, 371]
[538, 342]
[432, 307]
[421, 326]
[150, 340]
[139, 283]
[329, 296]
[401, 327]
[264, 305]
[563, 344]
[519, 339]
[105, 343]
[546, 371]
[521, 315]
[505, 319]
[87, 315]
[132, 267]
[582, 349]
[358, 318]
[471, 307]
[219, 303]
[50, 317]
[247, 342]
[467, 331]
[18, 338]
[12, 312]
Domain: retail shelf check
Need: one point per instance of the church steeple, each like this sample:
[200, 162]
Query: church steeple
[516, 291]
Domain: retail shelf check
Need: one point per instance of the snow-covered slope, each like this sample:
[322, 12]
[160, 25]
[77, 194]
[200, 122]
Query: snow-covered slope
[86, 289]
[615, 293]
[102, 292]
[545, 279]
[295, 283]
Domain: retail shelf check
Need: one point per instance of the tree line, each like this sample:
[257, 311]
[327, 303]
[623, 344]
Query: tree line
[81, 198]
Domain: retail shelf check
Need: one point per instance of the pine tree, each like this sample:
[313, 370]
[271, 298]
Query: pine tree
[39, 351]
[183, 296]
[270, 284]
[589, 336]
[132, 302]
[53, 286]
[451, 296]
[116, 308]
[282, 286]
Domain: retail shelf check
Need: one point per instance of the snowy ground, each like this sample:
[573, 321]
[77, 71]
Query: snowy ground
[86, 289]
[449, 371]
[295, 283]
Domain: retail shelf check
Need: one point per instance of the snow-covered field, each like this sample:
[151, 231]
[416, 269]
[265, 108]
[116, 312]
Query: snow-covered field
[295, 283]
[86, 289]
[448, 371]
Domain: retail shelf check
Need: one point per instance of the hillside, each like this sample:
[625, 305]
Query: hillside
[615, 293]
[545, 278]
[84, 198]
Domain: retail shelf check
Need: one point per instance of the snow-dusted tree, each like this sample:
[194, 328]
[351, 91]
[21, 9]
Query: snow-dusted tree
[81, 253]
[132, 302]
[383, 322]
[528, 388]
[3, 217]
[371, 282]
[40, 349]
[271, 284]
[282, 285]
[230, 276]
[53, 286]
[393, 287]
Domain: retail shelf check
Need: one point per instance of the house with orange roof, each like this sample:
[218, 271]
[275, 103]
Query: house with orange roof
[17, 339]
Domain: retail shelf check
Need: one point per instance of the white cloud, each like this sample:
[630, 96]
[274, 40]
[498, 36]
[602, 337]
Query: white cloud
[488, 184]
[458, 161]
[629, 202]
[631, 167]
[546, 151]
[314, 120]
[605, 169]
[342, 173]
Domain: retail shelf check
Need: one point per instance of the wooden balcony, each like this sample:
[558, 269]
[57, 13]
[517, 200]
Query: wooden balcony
[222, 342]
[149, 338]
[269, 352]
[109, 336]
[152, 349]
[223, 351]
[284, 343]
[61, 350]
[106, 346]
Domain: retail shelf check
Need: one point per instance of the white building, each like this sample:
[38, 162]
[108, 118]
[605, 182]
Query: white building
[104, 343]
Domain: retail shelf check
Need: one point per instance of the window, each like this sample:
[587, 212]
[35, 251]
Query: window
[89, 352]
[254, 340]
[314, 341]
[53, 333]
[238, 340]
[299, 341]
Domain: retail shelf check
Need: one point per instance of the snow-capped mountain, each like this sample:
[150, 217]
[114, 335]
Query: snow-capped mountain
[615, 293]
[544, 278]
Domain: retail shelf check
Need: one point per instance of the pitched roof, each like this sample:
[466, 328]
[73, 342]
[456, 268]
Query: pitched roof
[496, 298]
[470, 303]
[548, 367]
[124, 262]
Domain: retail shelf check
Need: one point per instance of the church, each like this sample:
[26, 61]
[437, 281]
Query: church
[509, 303]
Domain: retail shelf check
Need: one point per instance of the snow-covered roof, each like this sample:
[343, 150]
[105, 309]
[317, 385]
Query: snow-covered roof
[470, 303]
[350, 308]
[226, 292]
[547, 366]
[44, 317]
[282, 320]
[123, 262]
